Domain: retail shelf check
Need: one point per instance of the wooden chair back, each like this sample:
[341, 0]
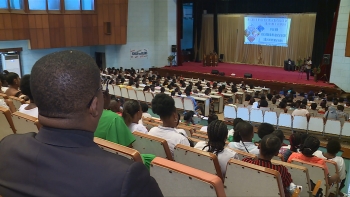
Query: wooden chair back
[24, 123]
[118, 149]
[243, 154]
[199, 159]
[175, 179]
[242, 176]
[148, 144]
[6, 123]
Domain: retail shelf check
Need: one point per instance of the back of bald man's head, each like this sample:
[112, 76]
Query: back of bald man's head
[63, 83]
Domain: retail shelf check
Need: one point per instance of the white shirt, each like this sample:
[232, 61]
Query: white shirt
[3, 89]
[182, 131]
[144, 115]
[223, 156]
[170, 135]
[250, 146]
[338, 160]
[32, 112]
[300, 112]
[138, 127]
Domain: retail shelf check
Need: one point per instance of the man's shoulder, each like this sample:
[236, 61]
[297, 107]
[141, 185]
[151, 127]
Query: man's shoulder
[14, 139]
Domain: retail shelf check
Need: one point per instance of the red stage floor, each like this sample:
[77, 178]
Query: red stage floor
[258, 72]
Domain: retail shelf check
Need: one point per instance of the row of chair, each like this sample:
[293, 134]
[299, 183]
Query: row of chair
[285, 120]
[129, 93]
[200, 170]
[17, 122]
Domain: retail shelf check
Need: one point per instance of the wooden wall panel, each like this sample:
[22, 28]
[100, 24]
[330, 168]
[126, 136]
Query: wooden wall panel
[68, 30]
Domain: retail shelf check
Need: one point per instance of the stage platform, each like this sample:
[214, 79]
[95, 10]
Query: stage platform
[273, 77]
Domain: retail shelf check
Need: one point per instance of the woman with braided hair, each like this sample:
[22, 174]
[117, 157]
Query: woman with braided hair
[217, 134]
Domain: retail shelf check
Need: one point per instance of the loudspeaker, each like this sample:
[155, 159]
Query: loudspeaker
[248, 75]
[222, 74]
[326, 59]
[173, 48]
[215, 72]
[221, 58]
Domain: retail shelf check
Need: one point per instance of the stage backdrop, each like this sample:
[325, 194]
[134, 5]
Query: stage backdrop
[231, 40]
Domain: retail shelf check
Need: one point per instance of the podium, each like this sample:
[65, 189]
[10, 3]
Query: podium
[210, 60]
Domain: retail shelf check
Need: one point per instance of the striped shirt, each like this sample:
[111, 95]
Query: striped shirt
[286, 177]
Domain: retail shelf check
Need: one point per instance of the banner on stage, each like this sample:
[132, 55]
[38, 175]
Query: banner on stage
[138, 54]
[266, 30]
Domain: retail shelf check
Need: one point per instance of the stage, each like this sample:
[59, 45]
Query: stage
[269, 76]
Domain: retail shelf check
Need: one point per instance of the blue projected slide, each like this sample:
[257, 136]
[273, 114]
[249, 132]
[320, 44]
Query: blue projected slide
[270, 31]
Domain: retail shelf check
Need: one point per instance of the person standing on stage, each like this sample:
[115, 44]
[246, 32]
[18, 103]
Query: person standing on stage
[308, 67]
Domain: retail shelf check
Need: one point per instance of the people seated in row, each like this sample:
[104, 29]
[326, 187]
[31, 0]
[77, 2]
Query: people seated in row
[31, 108]
[243, 136]
[307, 149]
[269, 147]
[217, 134]
[64, 146]
[333, 147]
[164, 106]
[112, 127]
[145, 113]
[132, 114]
[5, 103]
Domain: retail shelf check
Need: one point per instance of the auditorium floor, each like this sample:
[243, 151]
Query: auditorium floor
[258, 72]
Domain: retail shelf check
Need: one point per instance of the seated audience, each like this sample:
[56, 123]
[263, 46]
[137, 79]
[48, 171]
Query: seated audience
[235, 135]
[211, 118]
[3, 83]
[115, 106]
[196, 107]
[112, 127]
[323, 108]
[13, 82]
[188, 118]
[333, 147]
[251, 102]
[29, 109]
[164, 106]
[146, 89]
[217, 134]
[307, 149]
[269, 147]
[65, 140]
[243, 141]
[132, 114]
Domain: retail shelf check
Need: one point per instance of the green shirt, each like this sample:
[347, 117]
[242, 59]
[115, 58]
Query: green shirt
[112, 127]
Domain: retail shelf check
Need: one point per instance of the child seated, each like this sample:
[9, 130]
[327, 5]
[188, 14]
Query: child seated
[243, 137]
[307, 149]
[145, 113]
[217, 133]
[333, 147]
[269, 147]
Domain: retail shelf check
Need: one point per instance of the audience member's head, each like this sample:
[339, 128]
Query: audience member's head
[245, 131]
[310, 145]
[60, 103]
[217, 134]
[162, 90]
[13, 79]
[295, 141]
[164, 106]
[263, 103]
[274, 100]
[132, 112]
[340, 107]
[188, 117]
[333, 147]
[313, 106]
[146, 89]
[251, 101]
[144, 107]
[269, 96]
[304, 101]
[114, 105]
[279, 133]
[265, 129]
[212, 117]
[3, 82]
[236, 121]
[248, 97]
[269, 146]
[25, 87]
[335, 101]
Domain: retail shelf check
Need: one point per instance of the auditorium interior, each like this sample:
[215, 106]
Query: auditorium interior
[214, 58]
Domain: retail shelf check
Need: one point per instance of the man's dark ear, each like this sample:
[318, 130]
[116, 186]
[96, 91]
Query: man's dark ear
[94, 107]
